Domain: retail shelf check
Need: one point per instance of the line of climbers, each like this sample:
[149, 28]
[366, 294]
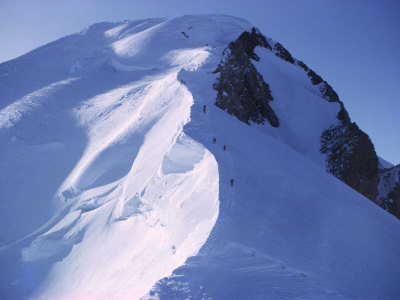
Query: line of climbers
[215, 141]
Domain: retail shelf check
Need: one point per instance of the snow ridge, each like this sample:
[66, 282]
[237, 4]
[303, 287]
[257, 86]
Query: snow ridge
[140, 182]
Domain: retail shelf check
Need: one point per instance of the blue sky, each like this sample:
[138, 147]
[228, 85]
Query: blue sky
[353, 44]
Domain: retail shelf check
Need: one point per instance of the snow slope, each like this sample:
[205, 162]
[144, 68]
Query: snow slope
[110, 178]
[286, 229]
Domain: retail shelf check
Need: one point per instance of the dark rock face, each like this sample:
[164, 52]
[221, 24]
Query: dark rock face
[351, 158]
[241, 90]
[281, 52]
[326, 90]
[328, 93]
[389, 190]
[315, 78]
[302, 65]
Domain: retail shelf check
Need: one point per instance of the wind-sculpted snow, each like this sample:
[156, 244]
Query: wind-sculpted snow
[141, 197]
[13, 112]
[121, 179]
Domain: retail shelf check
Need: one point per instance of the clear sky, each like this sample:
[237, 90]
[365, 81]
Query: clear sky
[353, 44]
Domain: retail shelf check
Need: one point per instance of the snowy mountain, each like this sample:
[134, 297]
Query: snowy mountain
[190, 158]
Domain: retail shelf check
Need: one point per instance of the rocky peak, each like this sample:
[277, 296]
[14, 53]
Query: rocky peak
[246, 43]
[281, 52]
[350, 154]
[241, 89]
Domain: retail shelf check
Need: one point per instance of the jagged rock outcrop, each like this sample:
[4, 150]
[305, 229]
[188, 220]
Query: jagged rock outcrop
[281, 52]
[326, 90]
[351, 157]
[302, 65]
[389, 190]
[350, 154]
[241, 90]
